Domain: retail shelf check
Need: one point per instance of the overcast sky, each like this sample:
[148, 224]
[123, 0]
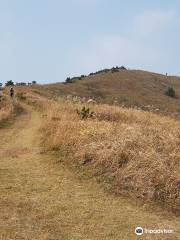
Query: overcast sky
[50, 40]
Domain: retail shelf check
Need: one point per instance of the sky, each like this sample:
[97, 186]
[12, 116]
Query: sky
[50, 40]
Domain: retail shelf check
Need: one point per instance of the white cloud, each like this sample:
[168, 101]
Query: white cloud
[129, 49]
[153, 21]
[108, 51]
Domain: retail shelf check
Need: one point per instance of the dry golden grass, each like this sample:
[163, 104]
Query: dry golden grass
[137, 153]
[7, 108]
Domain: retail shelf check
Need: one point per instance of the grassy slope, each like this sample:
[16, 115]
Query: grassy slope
[130, 88]
[135, 153]
[125, 144]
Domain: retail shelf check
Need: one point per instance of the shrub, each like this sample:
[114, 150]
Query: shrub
[85, 113]
[106, 70]
[170, 92]
[122, 68]
[9, 83]
[21, 84]
[68, 80]
[87, 158]
[77, 78]
[115, 69]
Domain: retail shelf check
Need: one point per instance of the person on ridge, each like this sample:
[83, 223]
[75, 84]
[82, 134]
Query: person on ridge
[11, 92]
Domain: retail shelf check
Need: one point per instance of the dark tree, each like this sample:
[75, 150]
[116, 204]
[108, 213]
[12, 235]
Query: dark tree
[170, 92]
[68, 80]
[9, 83]
[115, 69]
[122, 68]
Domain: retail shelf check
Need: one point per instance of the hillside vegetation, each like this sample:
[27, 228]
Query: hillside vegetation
[134, 153]
[8, 110]
[131, 88]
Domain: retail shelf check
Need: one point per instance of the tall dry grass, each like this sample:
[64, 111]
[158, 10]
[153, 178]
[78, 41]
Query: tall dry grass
[6, 109]
[136, 152]
[9, 109]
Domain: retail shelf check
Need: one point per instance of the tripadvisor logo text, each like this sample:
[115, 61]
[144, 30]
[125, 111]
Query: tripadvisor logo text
[140, 231]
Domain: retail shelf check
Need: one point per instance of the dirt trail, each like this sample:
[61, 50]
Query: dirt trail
[40, 199]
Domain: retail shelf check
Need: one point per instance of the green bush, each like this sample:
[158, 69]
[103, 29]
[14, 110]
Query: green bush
[170, 92]
[68, 80]
[9, 83]
[83, 76]
[85, 113]
[87, 158]
[115, 69]
[122, 68]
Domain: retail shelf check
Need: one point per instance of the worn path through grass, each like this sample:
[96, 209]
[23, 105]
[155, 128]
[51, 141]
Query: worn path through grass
[44, 200]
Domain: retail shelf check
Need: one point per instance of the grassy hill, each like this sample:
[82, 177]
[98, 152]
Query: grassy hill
[126, 87]
[134, 153]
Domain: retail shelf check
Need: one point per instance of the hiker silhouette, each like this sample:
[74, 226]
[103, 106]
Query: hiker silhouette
[11, 92]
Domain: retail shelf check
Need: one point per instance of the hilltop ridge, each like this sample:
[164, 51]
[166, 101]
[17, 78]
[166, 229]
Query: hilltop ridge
[131, 88]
